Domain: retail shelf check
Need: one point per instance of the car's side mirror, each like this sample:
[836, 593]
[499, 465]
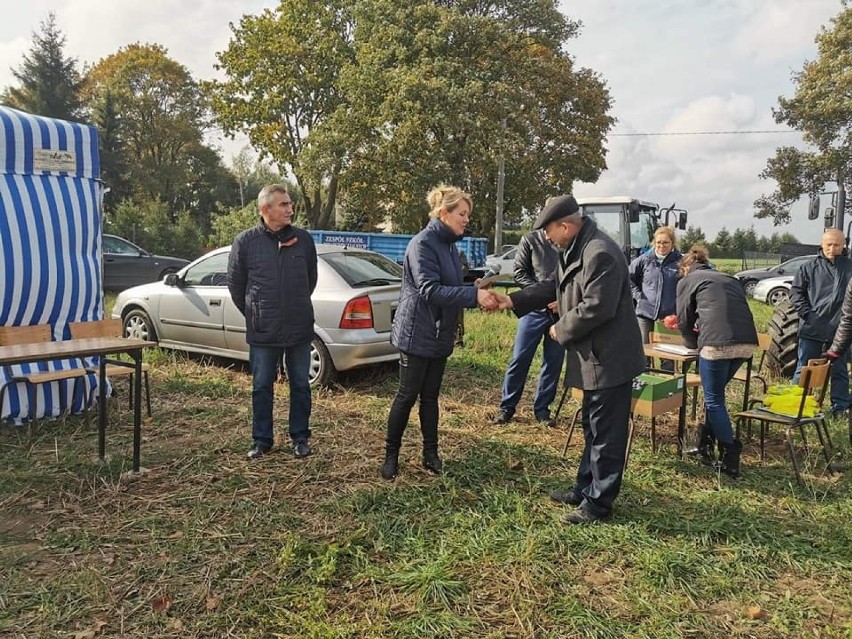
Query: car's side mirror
[681, 221]
[171, 279]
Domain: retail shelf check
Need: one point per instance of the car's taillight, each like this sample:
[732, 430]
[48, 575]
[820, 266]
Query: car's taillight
[358, 313]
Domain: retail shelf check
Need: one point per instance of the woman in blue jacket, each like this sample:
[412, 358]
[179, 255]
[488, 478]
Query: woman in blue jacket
[653, 281]
[424, 327]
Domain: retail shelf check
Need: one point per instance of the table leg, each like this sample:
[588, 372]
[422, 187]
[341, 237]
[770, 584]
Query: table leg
[681, 418]
[102, 409]
[137, 408]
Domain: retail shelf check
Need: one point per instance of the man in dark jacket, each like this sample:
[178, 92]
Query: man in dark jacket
[535, 262]
[272, 272]
[598, 328]
[817, 295]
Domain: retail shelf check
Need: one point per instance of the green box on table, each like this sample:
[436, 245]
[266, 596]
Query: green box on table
[656, 386]
[659, 327]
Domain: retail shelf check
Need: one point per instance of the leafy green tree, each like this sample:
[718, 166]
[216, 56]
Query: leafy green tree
[743, 240]
[282, 68]
[49, 81]
[151, 225]
[721, 246]
[158, 114]
[442, 90]
[693, 235]
[227, 227]
[114, 166]
[822, 110]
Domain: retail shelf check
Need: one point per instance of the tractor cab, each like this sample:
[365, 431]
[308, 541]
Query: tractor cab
[631, 222]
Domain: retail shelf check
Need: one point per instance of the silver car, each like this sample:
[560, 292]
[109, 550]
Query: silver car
[356, 295]
[774, 290]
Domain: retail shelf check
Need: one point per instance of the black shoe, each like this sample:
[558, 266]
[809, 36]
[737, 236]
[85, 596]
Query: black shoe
[730, 462]
[570, 497]
[301, 449]
[391, 466]
[581, 516]
[502, 418]
[258, 450]
[432, 462]
[546, 421]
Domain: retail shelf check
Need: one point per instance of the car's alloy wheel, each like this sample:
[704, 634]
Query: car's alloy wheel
[777, 296]
[322, 369]
[748, 287]
[138, 325]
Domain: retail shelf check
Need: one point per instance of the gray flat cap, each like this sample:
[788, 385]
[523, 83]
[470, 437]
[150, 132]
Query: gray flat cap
[555, 209]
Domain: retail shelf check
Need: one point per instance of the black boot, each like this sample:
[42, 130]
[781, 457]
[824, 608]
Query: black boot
[730, 462]
[391, 465]
[704, 446]
[431, 461]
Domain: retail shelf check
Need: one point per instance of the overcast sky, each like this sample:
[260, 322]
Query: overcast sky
[671, 66]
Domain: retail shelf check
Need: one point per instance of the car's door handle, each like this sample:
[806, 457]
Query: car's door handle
[215, 302]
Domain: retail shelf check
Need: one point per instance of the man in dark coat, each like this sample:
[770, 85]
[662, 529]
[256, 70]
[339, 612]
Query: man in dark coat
[272, 272]
[598, 328]
[817, 295]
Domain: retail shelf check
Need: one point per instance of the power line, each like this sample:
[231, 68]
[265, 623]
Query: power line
[741, 132]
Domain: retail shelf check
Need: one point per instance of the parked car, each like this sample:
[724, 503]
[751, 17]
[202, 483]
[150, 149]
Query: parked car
[126, 265]
[774, 290]
[752, 276]
[354, 302]
[502, 263]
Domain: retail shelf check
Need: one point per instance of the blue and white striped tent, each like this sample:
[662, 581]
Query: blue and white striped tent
[50, 243]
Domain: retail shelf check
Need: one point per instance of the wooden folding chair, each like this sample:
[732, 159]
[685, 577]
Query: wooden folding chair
[814, 381]
[112, 328]
[37, 334]
[693, 380]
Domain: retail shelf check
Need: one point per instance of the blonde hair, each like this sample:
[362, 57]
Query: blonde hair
[697, 254]
[668, 231]
[444, 197]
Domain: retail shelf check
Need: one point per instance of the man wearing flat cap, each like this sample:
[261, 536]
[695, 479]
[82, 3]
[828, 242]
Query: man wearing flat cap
[597, 325]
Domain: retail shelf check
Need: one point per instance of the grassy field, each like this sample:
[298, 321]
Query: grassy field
[209, 544]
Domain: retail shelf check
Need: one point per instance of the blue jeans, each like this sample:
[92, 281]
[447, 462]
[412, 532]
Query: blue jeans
[532, 327]
[715, 375]
[263, 361]
[811, 349]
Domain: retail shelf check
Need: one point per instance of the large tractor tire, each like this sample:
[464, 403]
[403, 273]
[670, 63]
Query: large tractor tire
[782, 355]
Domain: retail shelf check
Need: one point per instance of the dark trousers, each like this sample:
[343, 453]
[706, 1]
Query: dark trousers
[418, 377]
[605, 419]
[264, 361]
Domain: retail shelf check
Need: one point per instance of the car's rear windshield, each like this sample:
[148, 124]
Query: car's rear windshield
[364, 269]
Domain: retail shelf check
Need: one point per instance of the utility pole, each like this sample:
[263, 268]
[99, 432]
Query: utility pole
[841, 203]
[501, 178]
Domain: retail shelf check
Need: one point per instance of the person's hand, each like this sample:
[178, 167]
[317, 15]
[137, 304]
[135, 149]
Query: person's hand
[829, 355]
[487, 299]
[554, 307]
[670, 322]
[552, 333]
[504, 302]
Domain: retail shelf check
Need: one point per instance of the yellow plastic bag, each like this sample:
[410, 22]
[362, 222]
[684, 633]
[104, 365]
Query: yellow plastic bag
[785, 400]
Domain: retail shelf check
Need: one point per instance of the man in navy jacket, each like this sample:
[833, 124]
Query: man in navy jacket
[272, 272]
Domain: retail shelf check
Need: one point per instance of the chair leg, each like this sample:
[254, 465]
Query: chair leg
[565, 390]
[792, 454]
[762, 441]
[804, 440]
[147, 393]
[694, 404]
[570, 432]
[822, 441]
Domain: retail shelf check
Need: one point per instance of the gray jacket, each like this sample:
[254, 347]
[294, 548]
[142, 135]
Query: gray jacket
[596, 323]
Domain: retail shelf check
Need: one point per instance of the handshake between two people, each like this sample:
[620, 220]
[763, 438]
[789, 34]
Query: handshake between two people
[489, 300]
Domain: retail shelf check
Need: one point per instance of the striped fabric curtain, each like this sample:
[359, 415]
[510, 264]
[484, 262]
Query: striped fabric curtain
[50, 244]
